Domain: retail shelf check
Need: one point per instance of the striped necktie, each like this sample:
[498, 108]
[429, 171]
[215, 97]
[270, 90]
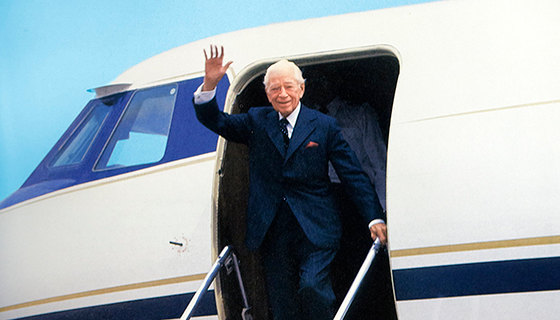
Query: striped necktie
[283, 127]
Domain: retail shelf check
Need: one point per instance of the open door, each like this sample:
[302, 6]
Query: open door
[363, 77]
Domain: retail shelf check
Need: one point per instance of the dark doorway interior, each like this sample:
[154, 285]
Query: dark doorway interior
[368, 79]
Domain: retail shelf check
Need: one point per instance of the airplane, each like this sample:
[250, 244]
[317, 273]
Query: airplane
[126, 214]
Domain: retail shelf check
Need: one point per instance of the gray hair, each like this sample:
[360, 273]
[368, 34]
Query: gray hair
[283, 65]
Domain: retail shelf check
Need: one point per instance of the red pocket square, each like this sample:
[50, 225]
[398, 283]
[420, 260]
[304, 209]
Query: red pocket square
[312, 144]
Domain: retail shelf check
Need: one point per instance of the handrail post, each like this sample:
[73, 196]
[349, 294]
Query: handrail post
[244, 313]
[358, 281]
[206, 283]
[226, 258]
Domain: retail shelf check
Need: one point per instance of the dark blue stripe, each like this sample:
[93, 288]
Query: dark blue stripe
[478, 279]
[169, 307]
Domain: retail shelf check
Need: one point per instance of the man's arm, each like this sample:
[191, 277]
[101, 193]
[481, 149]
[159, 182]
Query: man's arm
[357, 183]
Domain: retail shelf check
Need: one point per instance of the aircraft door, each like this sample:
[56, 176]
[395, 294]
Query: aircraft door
[359, 85]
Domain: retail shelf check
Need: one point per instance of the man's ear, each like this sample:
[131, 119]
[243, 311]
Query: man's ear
[302, 90]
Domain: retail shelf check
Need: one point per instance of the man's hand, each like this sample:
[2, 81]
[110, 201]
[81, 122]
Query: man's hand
[379, 230]
[214, 70]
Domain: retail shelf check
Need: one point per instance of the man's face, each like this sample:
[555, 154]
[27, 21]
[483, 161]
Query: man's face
[284, 92]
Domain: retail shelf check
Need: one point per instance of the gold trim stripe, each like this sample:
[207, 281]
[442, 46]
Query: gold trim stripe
[477, 246]
[134, 286]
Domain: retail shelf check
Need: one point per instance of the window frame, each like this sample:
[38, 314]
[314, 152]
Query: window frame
[96, 168]
[77, 130]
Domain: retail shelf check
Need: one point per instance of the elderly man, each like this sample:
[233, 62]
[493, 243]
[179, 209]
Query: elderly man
[291, 215]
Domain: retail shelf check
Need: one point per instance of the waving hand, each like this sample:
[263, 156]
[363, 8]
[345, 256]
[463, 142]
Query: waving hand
[214, 68]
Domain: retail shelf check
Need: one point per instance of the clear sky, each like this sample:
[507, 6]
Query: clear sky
[51, 52]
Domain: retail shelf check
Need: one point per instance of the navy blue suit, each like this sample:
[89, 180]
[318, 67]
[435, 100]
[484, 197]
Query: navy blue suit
[296, 179]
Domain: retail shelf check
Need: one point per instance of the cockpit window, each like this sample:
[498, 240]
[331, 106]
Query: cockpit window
[142, 133]
[74, 150]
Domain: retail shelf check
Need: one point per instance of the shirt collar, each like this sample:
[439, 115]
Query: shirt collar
[292, 118]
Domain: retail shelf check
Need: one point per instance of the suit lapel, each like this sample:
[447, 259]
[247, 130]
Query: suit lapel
[273, 129]
[304, 127]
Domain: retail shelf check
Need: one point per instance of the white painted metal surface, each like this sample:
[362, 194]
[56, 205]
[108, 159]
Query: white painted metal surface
[107, 241]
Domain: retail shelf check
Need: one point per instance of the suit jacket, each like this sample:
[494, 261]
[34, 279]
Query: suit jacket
[298, 175]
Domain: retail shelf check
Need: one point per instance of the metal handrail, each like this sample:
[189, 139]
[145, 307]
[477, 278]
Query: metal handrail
[341, 313]
[226, 258]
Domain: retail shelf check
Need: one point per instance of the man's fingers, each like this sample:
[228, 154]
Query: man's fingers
[211, 54]
[215, 53]
[215, 56]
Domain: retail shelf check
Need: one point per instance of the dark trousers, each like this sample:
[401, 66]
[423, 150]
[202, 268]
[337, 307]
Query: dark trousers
[297, 272]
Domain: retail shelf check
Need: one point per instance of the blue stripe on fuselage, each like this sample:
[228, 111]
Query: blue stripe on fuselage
[513, 276]
[169, 307]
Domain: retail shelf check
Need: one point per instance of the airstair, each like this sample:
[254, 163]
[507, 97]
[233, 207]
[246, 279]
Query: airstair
[228, 259]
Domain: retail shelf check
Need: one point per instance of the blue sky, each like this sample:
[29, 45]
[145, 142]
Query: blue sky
[51, 52]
